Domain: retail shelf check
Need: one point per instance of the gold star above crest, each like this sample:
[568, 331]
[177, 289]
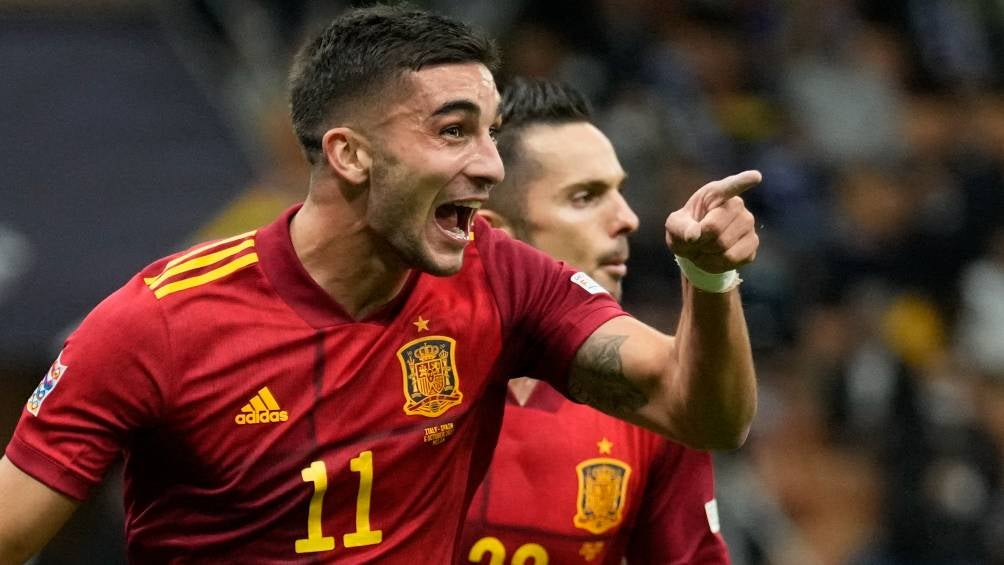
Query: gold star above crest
[421, 324]
[605, 446]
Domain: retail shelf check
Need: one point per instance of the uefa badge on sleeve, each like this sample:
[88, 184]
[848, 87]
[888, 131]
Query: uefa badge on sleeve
[587, 283]
[49, 382]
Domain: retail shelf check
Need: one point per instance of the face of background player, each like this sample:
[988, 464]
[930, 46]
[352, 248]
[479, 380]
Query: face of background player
[434, 161]
[575, 211]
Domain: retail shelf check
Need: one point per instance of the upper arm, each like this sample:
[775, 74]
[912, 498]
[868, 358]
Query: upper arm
[623, 369]
[30, 513]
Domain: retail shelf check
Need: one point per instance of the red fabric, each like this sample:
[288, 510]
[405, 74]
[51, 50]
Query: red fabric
[165, 381]
[531, 493]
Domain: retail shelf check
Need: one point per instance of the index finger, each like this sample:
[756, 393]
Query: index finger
[726, 188]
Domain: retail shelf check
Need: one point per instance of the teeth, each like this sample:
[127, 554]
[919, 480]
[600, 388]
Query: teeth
[458, 233]
[476, 204]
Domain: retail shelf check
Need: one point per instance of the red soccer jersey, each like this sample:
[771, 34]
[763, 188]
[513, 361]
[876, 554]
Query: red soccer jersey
[260, 424]
[570, 484]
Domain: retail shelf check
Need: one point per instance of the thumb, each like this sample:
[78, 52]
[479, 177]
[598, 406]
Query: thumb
[691, 231]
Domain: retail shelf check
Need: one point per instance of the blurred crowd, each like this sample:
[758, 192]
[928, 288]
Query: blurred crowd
[876, 305]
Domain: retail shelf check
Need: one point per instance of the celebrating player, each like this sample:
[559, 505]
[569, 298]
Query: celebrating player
[569, 483]
[329, 387]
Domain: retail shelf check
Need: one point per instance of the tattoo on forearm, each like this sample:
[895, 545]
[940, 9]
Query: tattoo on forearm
[598, 380]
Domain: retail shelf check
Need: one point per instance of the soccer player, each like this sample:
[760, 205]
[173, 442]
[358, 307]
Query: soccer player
[570, 484]
[329, 388]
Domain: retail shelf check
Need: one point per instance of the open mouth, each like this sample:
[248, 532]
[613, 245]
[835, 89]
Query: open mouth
[456, 217]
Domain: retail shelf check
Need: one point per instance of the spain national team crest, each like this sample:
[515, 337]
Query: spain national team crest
[431, 383]
[602, 493]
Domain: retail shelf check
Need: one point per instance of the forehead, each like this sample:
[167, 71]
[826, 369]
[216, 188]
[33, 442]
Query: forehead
[432, 87]
[569, 154]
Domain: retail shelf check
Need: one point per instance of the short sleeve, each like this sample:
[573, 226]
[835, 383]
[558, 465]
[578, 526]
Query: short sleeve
[678, 521]
[104, 385]
[548, 309]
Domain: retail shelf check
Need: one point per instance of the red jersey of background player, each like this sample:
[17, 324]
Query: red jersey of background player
[260, 424]
[570, 484]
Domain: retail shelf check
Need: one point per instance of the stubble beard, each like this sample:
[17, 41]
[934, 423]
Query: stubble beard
[392, 217]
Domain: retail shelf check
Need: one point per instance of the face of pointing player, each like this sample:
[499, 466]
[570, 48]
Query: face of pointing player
[575, 210]
[434, 162]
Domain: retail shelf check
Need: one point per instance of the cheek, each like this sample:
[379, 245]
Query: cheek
[565, 241]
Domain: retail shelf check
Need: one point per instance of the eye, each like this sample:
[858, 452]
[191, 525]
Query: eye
[493, 132]
[452, 131]
[584, 197]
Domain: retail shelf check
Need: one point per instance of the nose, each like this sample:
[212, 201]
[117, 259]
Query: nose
[625, 220]
[486, 167]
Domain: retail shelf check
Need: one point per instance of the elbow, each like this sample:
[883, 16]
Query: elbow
[719, 434]
[724, 440]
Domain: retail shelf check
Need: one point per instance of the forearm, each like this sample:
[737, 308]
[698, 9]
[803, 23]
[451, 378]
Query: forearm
[714, 381]
[30, 514]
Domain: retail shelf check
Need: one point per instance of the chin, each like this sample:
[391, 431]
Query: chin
[441, 265]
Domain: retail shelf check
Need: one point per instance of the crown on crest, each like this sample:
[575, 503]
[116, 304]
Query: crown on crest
[428, 352]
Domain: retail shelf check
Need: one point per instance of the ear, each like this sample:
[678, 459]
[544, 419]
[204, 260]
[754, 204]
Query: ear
[497, 221]
[348, 154]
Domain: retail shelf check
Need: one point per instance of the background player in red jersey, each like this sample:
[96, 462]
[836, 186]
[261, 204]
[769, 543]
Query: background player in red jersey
[329, 387]
[570, 484]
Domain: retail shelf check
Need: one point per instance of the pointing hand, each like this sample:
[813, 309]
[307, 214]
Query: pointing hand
[714, 229]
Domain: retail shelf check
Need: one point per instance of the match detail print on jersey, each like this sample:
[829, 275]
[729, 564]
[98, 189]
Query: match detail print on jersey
[431, 382]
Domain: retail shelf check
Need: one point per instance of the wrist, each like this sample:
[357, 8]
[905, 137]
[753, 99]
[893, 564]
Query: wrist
[716, 283]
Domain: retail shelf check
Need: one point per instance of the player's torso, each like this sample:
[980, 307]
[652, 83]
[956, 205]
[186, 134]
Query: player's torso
[347, 443]
[564, 486]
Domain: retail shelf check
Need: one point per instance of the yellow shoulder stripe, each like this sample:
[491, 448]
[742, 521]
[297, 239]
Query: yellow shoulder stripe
[197, 263]
[217, 273]
[198, 250]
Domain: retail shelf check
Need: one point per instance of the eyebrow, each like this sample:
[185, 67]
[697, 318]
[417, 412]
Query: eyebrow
[464, 106]
[458, 106]
[596, 185]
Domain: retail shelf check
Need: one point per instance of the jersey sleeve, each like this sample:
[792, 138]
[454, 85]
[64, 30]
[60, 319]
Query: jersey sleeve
[548, 309]
[678, 521]
[102, 387]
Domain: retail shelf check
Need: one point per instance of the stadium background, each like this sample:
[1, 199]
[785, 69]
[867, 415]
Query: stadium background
[876, 306]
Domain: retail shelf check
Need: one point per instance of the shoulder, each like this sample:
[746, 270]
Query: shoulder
[141, 306]
[199, 266]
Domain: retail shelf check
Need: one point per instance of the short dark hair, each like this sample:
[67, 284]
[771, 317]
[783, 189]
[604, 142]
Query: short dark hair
[526, 103]
[359, 52]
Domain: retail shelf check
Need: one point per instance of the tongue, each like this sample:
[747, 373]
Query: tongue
[447, 217]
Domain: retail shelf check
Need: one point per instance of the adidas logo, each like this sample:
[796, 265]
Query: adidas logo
[261, 409]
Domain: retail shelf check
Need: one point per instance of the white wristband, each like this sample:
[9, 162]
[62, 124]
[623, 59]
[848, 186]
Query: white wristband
[708, 282]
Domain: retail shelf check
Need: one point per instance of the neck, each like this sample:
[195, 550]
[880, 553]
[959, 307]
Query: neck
[522, 388]
[343, 259]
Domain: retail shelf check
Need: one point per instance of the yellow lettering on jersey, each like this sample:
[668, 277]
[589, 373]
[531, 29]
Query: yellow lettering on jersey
[529, 551]
[492, 546]
[363, 464]
[438, 434]
[317, 474]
